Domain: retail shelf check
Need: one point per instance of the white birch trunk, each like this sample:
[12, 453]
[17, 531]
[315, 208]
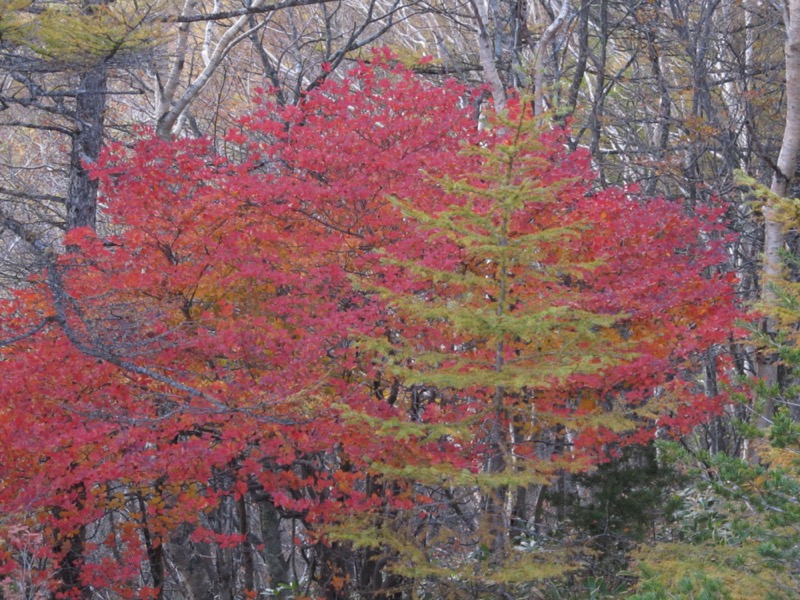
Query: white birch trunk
[538, 56]
[786, 168]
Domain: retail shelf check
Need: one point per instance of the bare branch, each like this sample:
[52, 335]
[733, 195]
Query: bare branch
[25, 233]
[30, 333]
[253, 10]
[28, 196]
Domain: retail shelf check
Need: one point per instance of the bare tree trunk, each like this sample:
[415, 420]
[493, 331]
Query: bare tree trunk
[487, 56]
[277, 566]
[154, 548]
[786, 167]
[90, 107]
[538, 56]
[70, 565]
[194, 564]
[662, 129]
[170, 107]
[248, 551]
[596, 118]
[582, 56]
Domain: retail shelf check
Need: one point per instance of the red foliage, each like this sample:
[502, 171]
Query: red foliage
[204, 348]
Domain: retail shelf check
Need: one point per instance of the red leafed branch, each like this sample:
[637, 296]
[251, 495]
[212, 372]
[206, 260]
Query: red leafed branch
[265, 329]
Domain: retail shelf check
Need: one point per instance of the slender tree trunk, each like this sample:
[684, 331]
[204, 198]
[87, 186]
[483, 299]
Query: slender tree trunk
[662, 129]
[538, 56]
[248, 551]
[786, 168]
[495, 525]
[491, 75]
[596, 119]
[170, 107]
[154, 548]
[582, 57]
[225, 519]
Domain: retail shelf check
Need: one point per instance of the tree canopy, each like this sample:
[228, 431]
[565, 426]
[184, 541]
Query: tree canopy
[381, 324]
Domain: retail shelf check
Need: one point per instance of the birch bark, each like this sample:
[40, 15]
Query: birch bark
[786, 167]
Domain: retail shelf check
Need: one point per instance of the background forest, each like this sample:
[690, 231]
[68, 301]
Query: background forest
[399, 299]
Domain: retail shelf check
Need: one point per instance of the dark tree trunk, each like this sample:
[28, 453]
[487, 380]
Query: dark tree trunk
[69, 567]
[86, 144]
[277, 566]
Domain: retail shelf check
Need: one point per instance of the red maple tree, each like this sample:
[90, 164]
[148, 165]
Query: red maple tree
[257, 328]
